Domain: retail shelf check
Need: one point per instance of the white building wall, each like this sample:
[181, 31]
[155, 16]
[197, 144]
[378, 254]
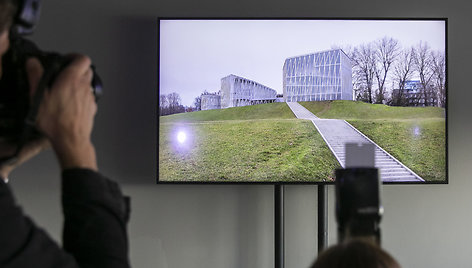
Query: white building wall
[238, 91]
[211, 101]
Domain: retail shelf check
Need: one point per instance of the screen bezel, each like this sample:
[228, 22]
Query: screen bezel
[445, 19]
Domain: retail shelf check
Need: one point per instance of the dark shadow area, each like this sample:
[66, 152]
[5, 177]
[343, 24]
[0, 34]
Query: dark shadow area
[126, 126]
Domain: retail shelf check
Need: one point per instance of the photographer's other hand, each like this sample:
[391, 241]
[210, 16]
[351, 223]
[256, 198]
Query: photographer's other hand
[67, 112]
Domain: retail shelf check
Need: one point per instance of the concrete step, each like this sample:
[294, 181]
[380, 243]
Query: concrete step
[387, 166]
[399, 178]
[394, 173]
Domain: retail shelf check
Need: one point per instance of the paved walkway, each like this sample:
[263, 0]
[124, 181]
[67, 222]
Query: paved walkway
[300, 111]
[337, 133]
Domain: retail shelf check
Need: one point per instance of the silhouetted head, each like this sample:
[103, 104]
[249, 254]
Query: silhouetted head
[355, 253]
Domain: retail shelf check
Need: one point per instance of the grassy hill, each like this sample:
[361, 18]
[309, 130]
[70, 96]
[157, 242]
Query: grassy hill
[261, 150]
[266, 143]
[262, 143]
[346, 110]
[420, 144]
[261, 111]
[414, 135]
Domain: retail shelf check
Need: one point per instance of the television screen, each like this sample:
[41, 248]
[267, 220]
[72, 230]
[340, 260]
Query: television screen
[277, 100]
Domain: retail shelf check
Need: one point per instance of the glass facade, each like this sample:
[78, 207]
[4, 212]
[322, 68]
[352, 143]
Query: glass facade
[319, 76]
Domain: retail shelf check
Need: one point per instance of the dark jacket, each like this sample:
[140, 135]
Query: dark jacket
[95, 218]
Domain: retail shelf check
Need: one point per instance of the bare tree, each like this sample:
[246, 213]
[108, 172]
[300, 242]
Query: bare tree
[163, 100]
[163, 104]
[403, 72]
[174, 101]
[386, 52]
[363, 59]
[438, 61]
[424, 67]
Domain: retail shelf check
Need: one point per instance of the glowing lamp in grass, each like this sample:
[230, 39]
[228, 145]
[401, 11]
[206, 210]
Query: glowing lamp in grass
[181, 137]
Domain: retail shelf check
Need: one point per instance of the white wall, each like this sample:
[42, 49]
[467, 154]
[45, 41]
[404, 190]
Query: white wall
[232, 226]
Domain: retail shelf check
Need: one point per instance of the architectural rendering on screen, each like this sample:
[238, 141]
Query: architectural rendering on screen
[236, 92]
[319, 76]
[271, 101]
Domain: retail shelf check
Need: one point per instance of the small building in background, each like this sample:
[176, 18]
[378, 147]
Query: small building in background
[416, 95]
[279, 98]
[211, 101]
[413, 94]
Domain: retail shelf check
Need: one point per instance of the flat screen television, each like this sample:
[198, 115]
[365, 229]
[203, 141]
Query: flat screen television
[277, 100]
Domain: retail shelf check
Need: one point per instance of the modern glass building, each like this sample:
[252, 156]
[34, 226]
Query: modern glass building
[320, 76]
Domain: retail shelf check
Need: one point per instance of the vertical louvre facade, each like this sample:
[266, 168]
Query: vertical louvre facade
[238, 91]
[319, 76]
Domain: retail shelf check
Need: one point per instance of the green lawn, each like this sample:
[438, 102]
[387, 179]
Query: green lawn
[360, 110]
[261, 111]
[264, 150]
[265, 143]
[417, 143]
[414, 135]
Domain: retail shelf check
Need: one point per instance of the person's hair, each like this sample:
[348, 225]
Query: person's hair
[355, 253]
[7, 12]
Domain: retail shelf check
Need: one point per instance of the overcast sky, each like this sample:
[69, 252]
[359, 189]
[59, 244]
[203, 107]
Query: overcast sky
[196, 54]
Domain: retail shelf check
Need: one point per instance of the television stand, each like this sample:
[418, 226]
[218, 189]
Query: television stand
[279, 231]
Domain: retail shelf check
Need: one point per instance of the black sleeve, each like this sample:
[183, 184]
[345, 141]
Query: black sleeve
[96, 214]
[22, 244]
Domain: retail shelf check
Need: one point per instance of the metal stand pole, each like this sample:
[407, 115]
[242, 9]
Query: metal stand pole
[279, 225]
[322, 217]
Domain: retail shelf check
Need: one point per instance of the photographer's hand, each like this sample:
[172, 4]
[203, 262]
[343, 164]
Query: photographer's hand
[67, 111]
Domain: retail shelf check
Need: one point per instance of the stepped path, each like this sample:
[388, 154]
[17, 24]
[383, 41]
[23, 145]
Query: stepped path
[336, 133]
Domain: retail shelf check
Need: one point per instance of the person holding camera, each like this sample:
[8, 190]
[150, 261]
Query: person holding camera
[95, 211]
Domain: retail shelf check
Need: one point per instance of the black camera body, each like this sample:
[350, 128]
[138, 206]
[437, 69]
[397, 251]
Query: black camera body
[17, 109]
[358, 206]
